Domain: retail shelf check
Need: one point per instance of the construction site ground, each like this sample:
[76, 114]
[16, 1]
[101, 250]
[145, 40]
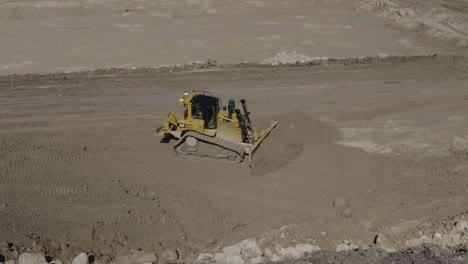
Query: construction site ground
[81, 164]
[364, 146]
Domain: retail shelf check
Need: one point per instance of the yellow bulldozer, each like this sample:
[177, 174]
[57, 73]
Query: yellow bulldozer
[208, 129]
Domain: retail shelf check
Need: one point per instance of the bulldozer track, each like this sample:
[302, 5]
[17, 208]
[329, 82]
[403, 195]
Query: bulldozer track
[49, 191]
[56, 214]
[218, 141]
[139, 174]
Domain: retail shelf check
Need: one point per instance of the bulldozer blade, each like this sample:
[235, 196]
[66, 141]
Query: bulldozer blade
[257, 144]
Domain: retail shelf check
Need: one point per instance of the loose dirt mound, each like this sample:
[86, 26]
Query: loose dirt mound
[286, 142]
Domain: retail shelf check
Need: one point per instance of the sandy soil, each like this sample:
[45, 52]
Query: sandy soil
[364, 146]
[80, 165]
[74, 35]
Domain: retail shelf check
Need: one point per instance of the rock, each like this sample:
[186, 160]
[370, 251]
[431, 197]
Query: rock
[211, 62]
[303, 249]
[204, 257]
[55, 262]
[262, 242]
[346, 246]
[256, 260]
[298, 251]
[271, 256]
[82, 258]
[234, 259]
[437, 236]
[231, 250]
[137, 257]
[381, 242]
[31, 258]
[432, 252]
[347, 212]
[249, 248]
[461, 225]
[340, 202]
[405, 12]
[218, 257]
[10, 262]
[276, 258]
[418, 241]
[170, 255]
[268, 253]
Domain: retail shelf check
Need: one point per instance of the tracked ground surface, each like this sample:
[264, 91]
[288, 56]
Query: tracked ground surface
[80, 164]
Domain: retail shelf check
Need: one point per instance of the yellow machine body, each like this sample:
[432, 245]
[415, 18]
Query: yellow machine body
[209, 129]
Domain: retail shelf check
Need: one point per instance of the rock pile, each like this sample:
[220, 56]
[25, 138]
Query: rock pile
[248, 252]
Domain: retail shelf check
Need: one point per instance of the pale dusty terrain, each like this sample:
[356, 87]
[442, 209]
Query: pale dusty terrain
[81, 165]
[81, 168]
[72, 35]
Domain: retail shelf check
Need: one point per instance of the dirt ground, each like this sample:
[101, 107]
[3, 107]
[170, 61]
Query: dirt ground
[364, 146]
[76, 35]
[81, 165]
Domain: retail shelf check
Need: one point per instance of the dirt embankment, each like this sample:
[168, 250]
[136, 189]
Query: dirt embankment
[444, 21]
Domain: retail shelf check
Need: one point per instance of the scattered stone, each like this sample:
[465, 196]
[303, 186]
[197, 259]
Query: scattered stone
[218, 257]
[82, 258]
[231, 250]
[268, 253]
[432, 252]
[256, 260]
[234, 259]
[11, 262]
[31, 258]
[204, 257]
[418, 241]
[262, 242]
[54, 262]
[340, 202]
[306, 248]
[276, 258]
[271, 256]
[137, 257]
[298, 251]
[346, 246]
[461, 225]
[211, 62]
[249, 248]
[170, 255]
[347, 212]
[381, 242]
[379, 239]
[437, 236]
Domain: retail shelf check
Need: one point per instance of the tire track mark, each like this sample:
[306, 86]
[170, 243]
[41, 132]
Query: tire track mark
[139, 174]
[54, 214]
[44, 191]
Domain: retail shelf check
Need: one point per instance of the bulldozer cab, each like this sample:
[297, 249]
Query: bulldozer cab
[206, 108]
